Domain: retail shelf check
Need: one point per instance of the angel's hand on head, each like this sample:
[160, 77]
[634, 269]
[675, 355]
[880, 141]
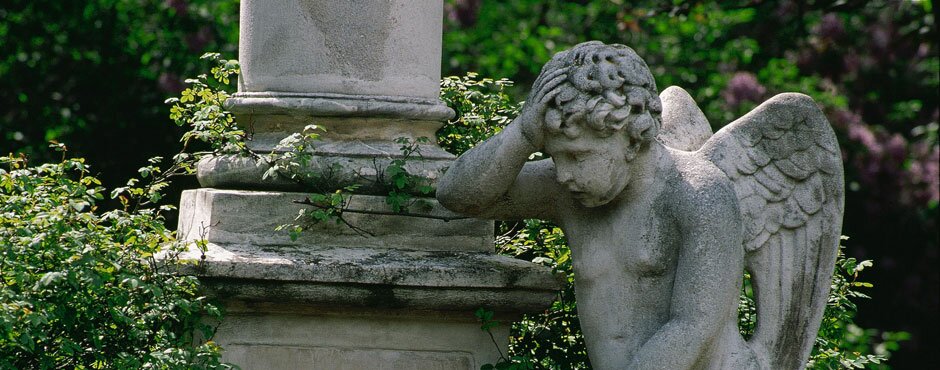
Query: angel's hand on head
[543, 91]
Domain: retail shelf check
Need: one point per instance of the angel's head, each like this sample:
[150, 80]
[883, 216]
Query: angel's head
[602, 115]
[609, 90]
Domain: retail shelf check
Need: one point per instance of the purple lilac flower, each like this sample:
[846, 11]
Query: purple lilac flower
[178, 5]
[743, 87]
[830, 27]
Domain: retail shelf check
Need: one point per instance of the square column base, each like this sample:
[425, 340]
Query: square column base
[402, 296]
[358, 340]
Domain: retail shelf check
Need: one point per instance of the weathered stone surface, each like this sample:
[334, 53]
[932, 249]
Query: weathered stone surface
[399, 299]
[369, 75]
[246, 104]
[390, 48]
[377, 278]
[250, 217]
[357, 340]
[660, 236]
[337, 167]
[391, 291]
[684, 125]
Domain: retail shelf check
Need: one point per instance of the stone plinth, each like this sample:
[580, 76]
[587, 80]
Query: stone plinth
[355, 340]
[250, 217]
[369, 74]
[398, 294]
[380, 290]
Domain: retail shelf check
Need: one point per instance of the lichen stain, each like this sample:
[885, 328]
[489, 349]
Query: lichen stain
[383, 296]
[355, 33]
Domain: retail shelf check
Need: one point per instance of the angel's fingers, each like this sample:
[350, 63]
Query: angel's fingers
[548, 97]
[549, 87]
[538, 85]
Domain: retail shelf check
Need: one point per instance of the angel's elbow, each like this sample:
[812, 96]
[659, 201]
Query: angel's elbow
[449, 198]
[453, 198]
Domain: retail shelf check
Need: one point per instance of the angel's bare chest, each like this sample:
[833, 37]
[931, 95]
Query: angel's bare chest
[623, 244]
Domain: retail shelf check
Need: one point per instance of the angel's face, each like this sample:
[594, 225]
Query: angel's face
[593, 169]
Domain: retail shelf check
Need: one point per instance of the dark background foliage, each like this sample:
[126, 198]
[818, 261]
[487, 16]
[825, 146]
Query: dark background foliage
[94, 75]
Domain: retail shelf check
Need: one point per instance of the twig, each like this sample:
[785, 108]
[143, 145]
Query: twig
[383, 213]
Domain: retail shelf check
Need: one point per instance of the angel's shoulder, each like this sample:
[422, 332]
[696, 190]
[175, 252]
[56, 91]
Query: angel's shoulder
[702, 188]
[697, 174]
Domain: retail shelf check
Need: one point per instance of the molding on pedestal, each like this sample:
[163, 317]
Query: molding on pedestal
[374, 278]
[337, 171]
[227, 217]
[338, 105]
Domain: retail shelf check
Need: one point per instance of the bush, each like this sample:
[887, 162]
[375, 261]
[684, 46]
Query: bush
[95, 71]
[84, 288]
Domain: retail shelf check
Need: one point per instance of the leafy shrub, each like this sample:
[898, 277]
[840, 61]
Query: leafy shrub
[92, 72]
[84, 288]
[483, 107]
[92, 289]
[841, 343]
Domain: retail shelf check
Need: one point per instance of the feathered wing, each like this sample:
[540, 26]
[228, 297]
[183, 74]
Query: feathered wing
[786, 167]
[684, 125]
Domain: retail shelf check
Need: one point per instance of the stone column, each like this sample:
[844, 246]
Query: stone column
[400, 291]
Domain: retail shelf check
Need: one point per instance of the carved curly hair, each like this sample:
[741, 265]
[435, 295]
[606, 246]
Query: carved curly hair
[608, 89]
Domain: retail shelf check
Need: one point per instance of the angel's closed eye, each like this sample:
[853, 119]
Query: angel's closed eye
[579, 156]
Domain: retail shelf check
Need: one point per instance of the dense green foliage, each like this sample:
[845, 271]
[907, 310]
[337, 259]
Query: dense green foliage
[89, 288]
[94, 74]
[86, 289]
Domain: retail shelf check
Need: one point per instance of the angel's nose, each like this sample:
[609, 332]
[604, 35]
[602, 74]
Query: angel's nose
[564, 177]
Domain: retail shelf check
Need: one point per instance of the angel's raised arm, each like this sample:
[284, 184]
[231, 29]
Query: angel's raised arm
[493, 180]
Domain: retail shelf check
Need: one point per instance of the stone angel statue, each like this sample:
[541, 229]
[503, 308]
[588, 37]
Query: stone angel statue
[663, 217]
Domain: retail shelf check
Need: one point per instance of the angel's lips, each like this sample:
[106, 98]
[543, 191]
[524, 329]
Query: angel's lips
[579, 195]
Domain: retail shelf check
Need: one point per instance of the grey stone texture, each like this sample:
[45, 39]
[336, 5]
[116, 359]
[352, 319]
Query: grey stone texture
[250, 217]
[353, 339]
[662, 227]
[385, 48]
[398, 294]
[391, 291]
[684, 126]
[366, 73]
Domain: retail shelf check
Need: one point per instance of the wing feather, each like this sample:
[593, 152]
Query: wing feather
[810, 196]
[758, 157]
[684, 126]
[785, 164]
[791, 169]
[773, 134]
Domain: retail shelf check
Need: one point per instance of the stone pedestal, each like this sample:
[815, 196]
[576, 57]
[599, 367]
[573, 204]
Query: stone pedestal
[368, 73]
[394, 292]
[402, 297]
[355, 340]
